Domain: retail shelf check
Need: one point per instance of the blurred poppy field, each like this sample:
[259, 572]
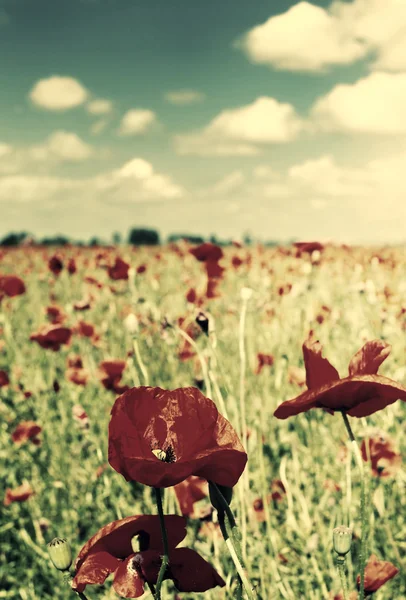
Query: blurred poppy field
[80, 327]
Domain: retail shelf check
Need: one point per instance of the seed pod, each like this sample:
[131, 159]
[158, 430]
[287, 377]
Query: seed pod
[60, 553]
[342, 538]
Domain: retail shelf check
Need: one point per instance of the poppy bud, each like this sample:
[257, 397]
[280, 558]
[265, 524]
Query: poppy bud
[60, 553]
[226, 492]
[342, 538]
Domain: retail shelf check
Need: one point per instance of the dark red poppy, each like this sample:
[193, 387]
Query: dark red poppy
[18, 494]
[11, 285]
[264, 360]
[80, 416]
[26, 430]
[113, 550]
[55, 314]
[385, 460]
[189, 491]
[119, 270]
[141, 269]
[359, 395]
[191, 296]
[76, 375]
[85, 329]
[160, 437]
[93, 281]
[377, 573]
[308, 247]
[236, 261]
[207, 252]
[4, 380]
[82, 305]
[55, 264]
[52, 337]
[71, 266]
[112, 371]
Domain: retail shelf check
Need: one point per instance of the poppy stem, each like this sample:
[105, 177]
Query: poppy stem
[165, 557]
[340, 568]
[240, 569]
[360, 464]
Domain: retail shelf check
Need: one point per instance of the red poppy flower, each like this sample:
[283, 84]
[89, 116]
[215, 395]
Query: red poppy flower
[141, 269]
[82, 305]
[189, 491]
[264, 360]
[52, 337]
[112, 371]
[93, 281]
[11, 285]
[4, 380]
[85, 329]
[26, 430]
[359, 395]
[385, 461]
[236, 261]
[55, 264]
[18, 494]
[111, 550]
[55, 314]
[119, 270]
[80, 416]
[308, 247]
[79, 376]
[377, 573]
[207, 251]
[71, 267]
[160, 437]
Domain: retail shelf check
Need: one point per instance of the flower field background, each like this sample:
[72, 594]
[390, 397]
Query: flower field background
[79, 326]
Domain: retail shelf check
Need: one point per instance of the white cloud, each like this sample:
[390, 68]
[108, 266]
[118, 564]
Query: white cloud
[135, 182]
[136, 121]
[374, 104]
[304, 38]
[234, 132]
[62, 146]
[311, 38]
[99, 107]
[138, 168]
[183, 97]
[58, 93]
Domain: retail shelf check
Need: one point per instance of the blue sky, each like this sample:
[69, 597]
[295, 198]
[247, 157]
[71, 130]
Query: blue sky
[284, 118]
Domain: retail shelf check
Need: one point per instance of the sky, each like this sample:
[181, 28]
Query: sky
[282, 119]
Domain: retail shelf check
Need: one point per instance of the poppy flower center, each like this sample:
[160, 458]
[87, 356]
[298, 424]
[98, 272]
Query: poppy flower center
[168, 455]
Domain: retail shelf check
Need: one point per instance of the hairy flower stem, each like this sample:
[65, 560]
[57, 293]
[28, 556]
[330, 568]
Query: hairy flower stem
[341, 572]
[233, 543]
[165, 557]
[360, 464]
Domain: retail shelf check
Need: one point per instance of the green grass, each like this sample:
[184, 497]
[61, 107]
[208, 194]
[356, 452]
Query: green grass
[302, 452]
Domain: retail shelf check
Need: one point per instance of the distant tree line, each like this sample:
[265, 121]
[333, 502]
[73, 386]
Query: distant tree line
[137, 236]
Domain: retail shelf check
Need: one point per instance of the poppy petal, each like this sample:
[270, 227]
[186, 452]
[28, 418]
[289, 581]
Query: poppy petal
[369, 358]
[319, 371]
[191, 573]
[127, 581]
[359, 396]
[115, 538]
[95, 568]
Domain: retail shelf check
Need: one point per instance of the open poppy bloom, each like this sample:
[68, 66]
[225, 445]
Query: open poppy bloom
[188, 492]
[377, 573]
[360, 394]
[160, 437]
[131, 548]
[385, 460]
[51, 337]
[11, 285]
[26, 430]
[119, 270]
[18, 494]
[111, 374]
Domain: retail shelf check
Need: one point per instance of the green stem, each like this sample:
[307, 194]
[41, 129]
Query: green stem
[340, 568]
[224, 505]
[165, 557]
[360, 464]
[235, 559]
